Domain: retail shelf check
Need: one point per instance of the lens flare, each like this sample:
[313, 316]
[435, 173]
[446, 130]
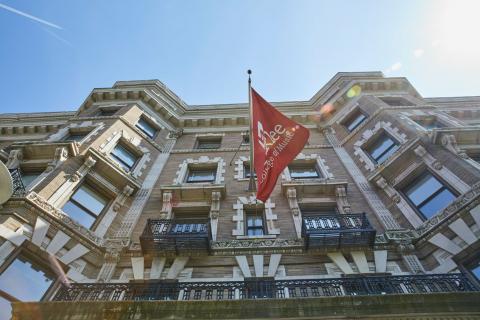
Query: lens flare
[354, 91]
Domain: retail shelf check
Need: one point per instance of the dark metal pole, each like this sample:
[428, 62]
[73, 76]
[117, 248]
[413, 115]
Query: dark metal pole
[251, 184]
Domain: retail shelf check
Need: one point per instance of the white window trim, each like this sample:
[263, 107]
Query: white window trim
[133, 142]
[367, 135]
[181, 174]
[312, 158]
[239, 218]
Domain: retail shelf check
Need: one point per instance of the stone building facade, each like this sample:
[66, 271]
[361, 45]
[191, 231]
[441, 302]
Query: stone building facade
[142, 201]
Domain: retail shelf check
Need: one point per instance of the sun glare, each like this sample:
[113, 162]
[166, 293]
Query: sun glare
[456, 29]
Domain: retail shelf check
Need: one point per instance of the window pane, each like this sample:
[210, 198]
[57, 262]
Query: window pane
[422, 189]
[209, 144]
[78, 214]
[90, 199]
[201, 176]
[28, 178]
[476, 271]
[75, 136]
[430, 123]
[387, 154]
[23, 282]
[146, 127]
[439, 202]
[124, 157]
[246, 171]
[5, 309]
[355, 121]
[297, 172]
[380, 146]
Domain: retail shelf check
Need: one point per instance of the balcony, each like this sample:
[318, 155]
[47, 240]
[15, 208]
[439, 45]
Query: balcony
[266, 288]
[18, 186]
[176, 237]
[337, 231]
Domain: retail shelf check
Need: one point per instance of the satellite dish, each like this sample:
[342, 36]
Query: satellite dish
[6, 184]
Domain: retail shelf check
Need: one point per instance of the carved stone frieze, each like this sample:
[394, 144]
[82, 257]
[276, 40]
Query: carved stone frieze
[59, 215]
[252, 246]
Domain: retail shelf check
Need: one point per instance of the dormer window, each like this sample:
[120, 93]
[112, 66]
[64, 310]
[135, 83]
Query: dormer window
[396, 101]
[430, 123]
[382, 148]
[77, 136]
[146, 127]
[107, 112]
[354, 120]
[124, 157]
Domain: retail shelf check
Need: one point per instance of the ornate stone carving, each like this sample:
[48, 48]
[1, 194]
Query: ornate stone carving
[126, 192]
[450, 143]
[258, 245]
[59, 215]
[342, 200]
[167, 205]
[61, 154]
[14, 159]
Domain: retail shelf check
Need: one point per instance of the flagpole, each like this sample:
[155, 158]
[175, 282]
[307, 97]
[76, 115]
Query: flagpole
[251, 184]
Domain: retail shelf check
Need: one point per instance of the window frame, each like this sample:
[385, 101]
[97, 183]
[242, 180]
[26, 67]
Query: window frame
[305, 165]
[99, 112]
[246, 173]
[97, 218]
[251, 212]
[354, 115]
[34, 259]
[149, 123]
[201, 140]
[417, 178]
[429, 119]
[374, 141]
[200, 169]
[129, 150]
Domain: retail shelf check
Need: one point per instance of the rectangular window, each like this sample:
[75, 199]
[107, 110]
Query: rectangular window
[124, 157]
[303, 171]
[354, 120]
[254, 225]
[85, 205]
[75, 136]
[201, 175]
[430, 123]
[382, 148]
[474, 155]
[29, 176]
[24, 281]
[209, 143]
[396, 101]
[246, 170]
[146, 128]
[429, 195]
[107, 112]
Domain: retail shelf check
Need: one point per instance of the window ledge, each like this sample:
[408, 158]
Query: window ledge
[314, 186]
[266, 236]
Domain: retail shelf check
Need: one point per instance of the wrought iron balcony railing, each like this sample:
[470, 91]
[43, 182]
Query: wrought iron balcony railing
[341, 230]
[18, 186]
[176, 236]
[265, 288]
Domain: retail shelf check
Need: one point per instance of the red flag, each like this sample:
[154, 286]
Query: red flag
[276, 142]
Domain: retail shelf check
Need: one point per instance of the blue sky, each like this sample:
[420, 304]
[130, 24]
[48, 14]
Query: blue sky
[201, 49]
